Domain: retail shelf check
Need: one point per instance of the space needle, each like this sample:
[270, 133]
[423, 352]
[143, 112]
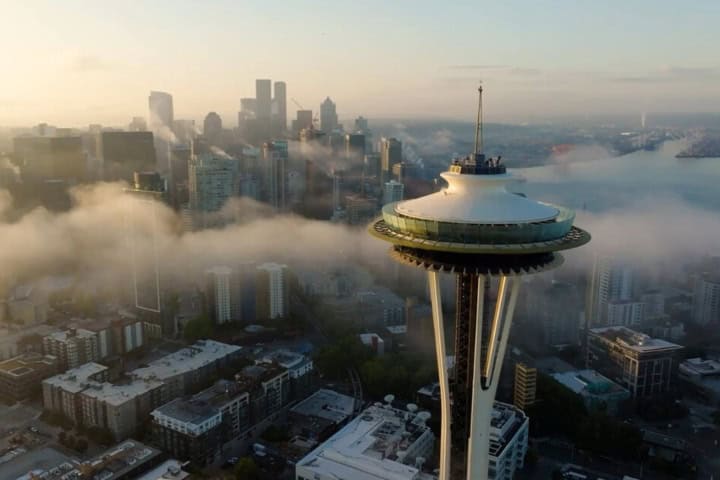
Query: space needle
[488, 238]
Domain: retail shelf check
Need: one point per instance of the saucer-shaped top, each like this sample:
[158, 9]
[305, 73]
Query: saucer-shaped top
[477, 199]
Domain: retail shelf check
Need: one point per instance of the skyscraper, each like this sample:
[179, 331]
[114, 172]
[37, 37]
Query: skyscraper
[263, 99]
[393, 192]
[212, 180]
[280, 110]
[706, 301]
[609, 280]
[275, 159]
[219, 294]
[390, 154]
[273, 295]
[328, 116]
[122, 153]
[161, 111]
[304, 119]
[354, 147]
[212, 128]
[525, 386]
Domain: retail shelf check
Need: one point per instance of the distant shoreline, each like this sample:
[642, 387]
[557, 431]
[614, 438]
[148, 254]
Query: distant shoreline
[699, 155]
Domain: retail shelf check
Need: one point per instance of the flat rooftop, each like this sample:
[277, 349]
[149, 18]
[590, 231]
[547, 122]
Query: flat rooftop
[118, 394]
[367, 448]
[505, 423]
[76, 379]
[119, 460]
[203, 352]
[187, 410]
[588, 382]
[36, 462]
[285, 358]
[168, 470]
[326, 404]
[27, 363]
[636, 341]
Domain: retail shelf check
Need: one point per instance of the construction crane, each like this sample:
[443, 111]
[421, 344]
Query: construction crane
[315, 119]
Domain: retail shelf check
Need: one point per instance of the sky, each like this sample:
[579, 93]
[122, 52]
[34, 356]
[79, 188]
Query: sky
[77, 62]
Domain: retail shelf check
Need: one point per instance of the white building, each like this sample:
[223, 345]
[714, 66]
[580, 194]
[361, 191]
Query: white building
[212, 180]
[382, 443]
[706, 301]
[610, 280]
[508, 441]
[298, 365]
[72, 347]
[625, 313]
[273, 296]
[393, 192]
[219, 294]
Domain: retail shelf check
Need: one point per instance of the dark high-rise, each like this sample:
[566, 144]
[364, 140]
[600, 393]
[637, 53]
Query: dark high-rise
[280, 110]
[390, 154]
[122, 153]
[263, 99]
[212, 128]
[328, 116]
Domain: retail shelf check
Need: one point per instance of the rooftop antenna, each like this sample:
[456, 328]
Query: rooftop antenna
[479, 128]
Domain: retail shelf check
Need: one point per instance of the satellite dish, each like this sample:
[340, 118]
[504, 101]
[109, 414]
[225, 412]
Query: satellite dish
[389, 398]
[412, 408]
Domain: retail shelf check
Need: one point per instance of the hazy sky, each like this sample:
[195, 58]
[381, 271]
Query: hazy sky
[77, 62]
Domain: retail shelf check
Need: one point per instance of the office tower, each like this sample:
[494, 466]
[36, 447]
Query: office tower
[610, 279]
[212, 181]
[706, 300]
[248, 105]
[328, 116]
[122, 153]
[393, 192]
[555, 309]
[138, 124]
[263, 99]
[280, 110]
[161, 112]
[185, 131]
[372, 165]
[360, 209]
[275, 159]
[525, 386]
[361, 124]
[354, 147]
[654, 301]
[304, 119]
[405, 171]
[625, 313]
[212, 128]
[646, 366]
[273, 291]
[481, 232]
[219, 294]
[390, 154]
[44, 158]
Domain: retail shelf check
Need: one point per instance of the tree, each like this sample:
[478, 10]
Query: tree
[247, 469]
[198, 328]
[81, 445]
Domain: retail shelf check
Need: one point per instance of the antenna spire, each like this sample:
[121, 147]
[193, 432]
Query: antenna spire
[479, 127]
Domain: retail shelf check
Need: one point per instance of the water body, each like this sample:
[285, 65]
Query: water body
[614, 183]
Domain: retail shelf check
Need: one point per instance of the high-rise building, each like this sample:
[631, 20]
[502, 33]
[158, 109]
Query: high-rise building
[646, 366]
[525, 386]
[393, 192]
[279, 114]
[361, 124]
[161, 111]
[610, 280]
[303, 119]
[555, 309]
[123, 153]
[45, 158]
[625, 313]
[390, 154]
[328, 116]
[706, 300]
[212, 128]
[275, 159]
[138, 124]
[220, 294]
[212, 181]
[273, 291]
[263, 99]
[72, 347]
[372, 165]
[354, 147]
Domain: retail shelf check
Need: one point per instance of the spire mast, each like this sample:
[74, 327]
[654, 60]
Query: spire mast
[479, 126]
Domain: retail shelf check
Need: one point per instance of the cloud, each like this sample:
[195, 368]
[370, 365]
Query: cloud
[87, 63]
[671, 74]
[476, 67]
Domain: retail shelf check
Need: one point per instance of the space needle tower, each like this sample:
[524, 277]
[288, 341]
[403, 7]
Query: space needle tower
[488, 238]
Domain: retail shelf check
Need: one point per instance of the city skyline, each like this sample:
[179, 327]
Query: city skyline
[81, 66]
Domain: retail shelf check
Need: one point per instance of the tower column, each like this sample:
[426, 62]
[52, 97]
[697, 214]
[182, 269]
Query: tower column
[487, 366]
[441, 357]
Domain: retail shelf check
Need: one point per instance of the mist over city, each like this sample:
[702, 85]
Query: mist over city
[376, 242]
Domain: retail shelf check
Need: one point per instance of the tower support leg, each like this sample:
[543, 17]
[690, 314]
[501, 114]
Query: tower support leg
[441, 356]
[487, 368]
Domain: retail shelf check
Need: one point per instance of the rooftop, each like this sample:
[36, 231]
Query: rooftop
[285, 358]
[70, 334]
[506, 422]
[202, 353]
[118, 394]
[636, 341]
[588, 382]
[188, 410]
[76, 380]
[27, 363]
[168, 470]
[370, 447]
[326, 404]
